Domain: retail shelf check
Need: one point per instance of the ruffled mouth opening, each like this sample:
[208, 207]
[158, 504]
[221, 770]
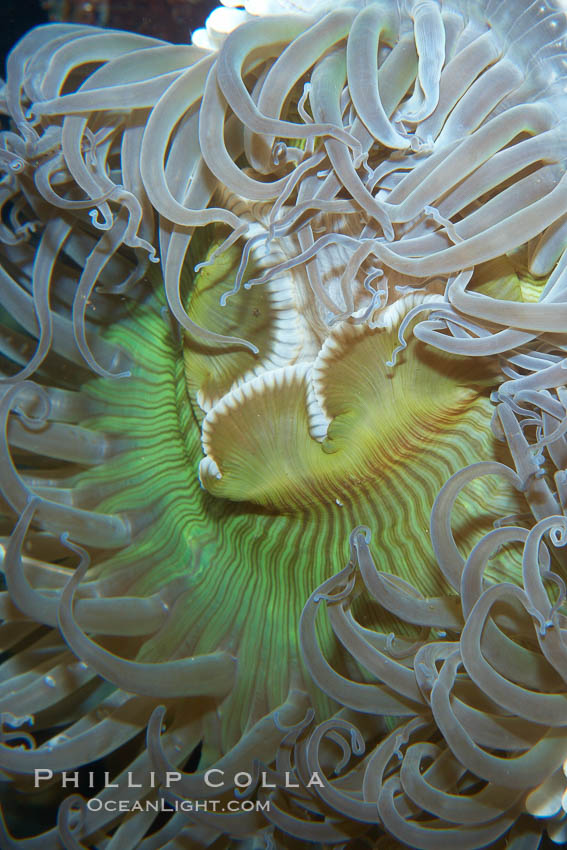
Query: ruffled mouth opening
[358, 323]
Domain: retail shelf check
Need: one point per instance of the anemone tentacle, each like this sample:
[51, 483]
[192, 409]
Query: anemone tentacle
[356, 321]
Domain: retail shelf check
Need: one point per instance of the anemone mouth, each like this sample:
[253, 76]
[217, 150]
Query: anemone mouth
[358, 323]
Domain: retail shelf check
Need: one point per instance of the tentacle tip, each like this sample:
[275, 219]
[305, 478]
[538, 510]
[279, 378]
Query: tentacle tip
[392, 363]
[544, 626]
[100, 223]
[361, 529]
[279, 149]
[558, 537]
[202, 265]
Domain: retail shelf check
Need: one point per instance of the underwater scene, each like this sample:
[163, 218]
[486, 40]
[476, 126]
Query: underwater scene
[283, 443]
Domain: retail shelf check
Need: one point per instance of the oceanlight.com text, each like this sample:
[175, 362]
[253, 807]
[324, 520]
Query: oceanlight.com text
[161, 805]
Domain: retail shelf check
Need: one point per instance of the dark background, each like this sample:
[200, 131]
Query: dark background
[172, 20]
[17, 16]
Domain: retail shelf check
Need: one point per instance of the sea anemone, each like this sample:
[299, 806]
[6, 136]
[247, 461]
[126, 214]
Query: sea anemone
[288, 297]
